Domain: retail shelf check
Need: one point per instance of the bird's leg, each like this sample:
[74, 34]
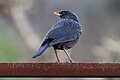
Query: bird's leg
[70, 59]
[56, 55]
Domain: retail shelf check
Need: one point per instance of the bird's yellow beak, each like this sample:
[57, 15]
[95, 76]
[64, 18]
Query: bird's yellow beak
[57, 14]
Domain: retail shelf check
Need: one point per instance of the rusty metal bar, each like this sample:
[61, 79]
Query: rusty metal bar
[59, 69]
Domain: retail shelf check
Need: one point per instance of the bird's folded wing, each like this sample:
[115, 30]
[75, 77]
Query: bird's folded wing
[66, 38]
[63, 31]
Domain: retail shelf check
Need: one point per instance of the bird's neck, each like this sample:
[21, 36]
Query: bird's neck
[73, 18]
[76, 20]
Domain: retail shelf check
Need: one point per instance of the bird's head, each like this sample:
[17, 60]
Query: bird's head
[65, 14]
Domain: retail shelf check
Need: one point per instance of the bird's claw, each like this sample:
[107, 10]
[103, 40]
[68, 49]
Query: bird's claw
[70, 61]
[67, 61]
[58, 62]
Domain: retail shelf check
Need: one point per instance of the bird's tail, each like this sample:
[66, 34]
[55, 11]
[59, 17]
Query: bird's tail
[41, 49]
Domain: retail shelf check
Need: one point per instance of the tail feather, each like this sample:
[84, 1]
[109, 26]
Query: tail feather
[41, 50]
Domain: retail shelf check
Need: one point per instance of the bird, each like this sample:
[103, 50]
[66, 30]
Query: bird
[63, 35]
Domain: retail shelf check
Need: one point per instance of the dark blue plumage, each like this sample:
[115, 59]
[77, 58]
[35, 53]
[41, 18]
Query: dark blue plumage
[63, 35]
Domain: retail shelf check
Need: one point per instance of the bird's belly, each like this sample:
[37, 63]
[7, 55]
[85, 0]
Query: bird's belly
[65, 45]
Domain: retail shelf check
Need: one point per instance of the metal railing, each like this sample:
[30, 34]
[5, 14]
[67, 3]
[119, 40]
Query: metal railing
[59, 69]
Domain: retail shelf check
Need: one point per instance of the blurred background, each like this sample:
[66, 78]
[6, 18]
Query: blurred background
[24, 23]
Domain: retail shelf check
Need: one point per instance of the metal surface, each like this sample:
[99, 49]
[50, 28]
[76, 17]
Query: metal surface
[59, 69]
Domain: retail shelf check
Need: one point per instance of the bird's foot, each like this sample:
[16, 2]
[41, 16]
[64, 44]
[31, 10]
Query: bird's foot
[58, 62]
[69, 61]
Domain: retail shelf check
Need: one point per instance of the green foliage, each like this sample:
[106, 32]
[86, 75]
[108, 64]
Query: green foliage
[10, 48]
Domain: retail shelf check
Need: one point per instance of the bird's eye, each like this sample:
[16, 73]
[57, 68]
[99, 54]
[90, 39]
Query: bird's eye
[63, 12]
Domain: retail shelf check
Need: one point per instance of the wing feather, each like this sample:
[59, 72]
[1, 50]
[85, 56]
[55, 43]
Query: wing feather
[64, 30]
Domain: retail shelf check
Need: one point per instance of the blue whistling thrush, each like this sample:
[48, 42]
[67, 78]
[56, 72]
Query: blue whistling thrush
[63, 35]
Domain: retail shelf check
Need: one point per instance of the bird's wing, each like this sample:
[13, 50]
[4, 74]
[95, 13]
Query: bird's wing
[64, 30]
[66, 38]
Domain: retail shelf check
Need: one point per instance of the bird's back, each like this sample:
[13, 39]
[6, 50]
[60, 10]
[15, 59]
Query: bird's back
[64, 32]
